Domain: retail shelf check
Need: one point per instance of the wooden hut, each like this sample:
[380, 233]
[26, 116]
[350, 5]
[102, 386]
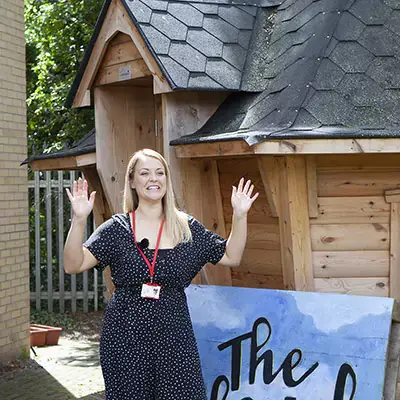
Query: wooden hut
[302, 97]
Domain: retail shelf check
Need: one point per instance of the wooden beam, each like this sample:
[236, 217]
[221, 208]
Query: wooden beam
[101, 209]
[191, 200]
[83, 160]
[294, 225]
[117, 21]
[191, 188]
[295, 146]
[213, 218]
[328, 146]
[159, 124]
[216, 149]
[269, 171]
[394, 285]
[311, 168]
[64, 163]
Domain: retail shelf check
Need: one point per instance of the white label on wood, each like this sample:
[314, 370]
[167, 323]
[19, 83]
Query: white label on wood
[125, 73]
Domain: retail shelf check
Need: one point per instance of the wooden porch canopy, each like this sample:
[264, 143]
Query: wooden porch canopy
[80, 155]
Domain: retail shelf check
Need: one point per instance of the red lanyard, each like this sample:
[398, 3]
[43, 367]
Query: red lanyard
[153, 264]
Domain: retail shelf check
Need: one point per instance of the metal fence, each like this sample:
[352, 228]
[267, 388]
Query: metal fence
[50, 218]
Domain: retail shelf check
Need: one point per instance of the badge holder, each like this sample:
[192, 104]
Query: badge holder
[150, 290]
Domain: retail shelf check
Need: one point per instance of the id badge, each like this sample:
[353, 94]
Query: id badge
[151, 291]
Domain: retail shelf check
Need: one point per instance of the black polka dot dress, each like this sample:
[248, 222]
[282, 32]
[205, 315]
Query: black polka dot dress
[147, 348]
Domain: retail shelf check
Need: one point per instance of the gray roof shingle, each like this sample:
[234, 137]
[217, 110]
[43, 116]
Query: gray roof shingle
[187, 14]
[371, 12]
[206, 43]
[167, 24]
[385, 71]
[351, 57]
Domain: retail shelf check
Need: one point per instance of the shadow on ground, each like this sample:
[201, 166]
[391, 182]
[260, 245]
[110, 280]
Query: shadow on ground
[69, 371]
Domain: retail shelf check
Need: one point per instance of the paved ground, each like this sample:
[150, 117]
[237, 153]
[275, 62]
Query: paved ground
[68, 371]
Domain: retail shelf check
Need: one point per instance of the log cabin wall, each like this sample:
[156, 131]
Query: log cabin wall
[352, 225]
[353, 229]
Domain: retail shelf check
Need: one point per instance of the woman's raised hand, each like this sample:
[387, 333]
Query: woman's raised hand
[81, 205]
[241, 198]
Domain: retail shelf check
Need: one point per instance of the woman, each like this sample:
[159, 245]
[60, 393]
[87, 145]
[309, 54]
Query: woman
[147, 347]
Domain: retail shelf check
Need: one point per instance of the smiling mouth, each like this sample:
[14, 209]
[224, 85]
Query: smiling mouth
[154, 187]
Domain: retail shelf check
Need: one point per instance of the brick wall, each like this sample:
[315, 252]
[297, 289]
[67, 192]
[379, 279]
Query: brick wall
[14, 245]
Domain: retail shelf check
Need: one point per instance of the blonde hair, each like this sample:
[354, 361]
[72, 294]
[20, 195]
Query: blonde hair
[176, 222]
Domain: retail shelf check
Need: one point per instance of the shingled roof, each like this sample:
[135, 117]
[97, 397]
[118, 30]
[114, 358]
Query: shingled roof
[327, 68]
[199, 45]
[299, 69]
[85, 145]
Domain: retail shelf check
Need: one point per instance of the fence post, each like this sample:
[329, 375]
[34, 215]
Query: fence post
[37, 240]
[85, 273]
[49, 241]
[60, 232]
[73, 276]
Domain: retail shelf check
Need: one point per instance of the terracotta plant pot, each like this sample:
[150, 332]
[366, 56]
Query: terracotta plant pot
[53, 333]
[37, 336]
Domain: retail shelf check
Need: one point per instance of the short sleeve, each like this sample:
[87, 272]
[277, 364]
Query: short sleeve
[102, 242]
[211, 247]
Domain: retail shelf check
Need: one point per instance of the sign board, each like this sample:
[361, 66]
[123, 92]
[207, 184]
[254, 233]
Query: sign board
[124, 72]
[259, 344]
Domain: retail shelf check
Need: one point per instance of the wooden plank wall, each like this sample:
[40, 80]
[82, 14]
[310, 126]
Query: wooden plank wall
[121, 55]
[350, 236]
[124, 123]
[261, 265]
[351, 224]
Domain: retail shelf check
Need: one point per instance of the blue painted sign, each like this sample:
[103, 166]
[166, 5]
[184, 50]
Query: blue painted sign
[259, 344]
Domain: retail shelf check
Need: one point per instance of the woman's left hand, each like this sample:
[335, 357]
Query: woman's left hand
[241, 198]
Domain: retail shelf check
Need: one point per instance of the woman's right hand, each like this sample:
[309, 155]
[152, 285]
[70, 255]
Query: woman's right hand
[81, 205]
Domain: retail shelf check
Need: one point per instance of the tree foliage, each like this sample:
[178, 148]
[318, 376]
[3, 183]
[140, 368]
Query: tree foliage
[57, 34]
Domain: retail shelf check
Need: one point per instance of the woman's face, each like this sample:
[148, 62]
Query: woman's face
[149, 179]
